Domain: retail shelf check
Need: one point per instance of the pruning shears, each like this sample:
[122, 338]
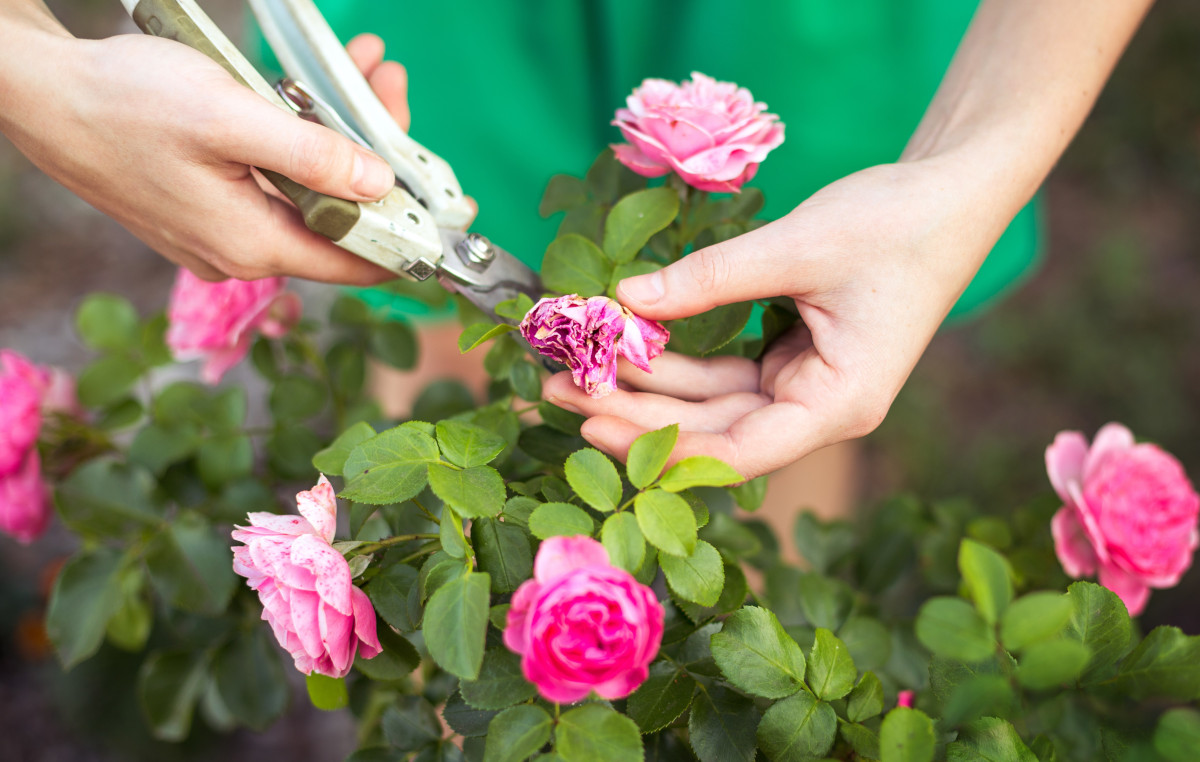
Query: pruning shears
[418, 230]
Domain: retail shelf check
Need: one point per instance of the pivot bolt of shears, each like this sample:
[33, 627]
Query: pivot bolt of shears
[476, 250]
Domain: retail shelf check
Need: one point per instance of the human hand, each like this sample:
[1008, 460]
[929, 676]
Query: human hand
[874, 263]
[162, 139]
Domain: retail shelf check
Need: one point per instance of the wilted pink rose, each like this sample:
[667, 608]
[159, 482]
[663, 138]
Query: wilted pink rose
[712, 134]
[583, 625]
[24, 504]
[216, 322]
[586, 335]
[317, 613]
[1129, 512]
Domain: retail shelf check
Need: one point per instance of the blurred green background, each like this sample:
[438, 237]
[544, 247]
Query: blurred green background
[1106, 330]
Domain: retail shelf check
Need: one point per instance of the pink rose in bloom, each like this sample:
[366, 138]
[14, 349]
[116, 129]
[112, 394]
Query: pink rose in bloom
[1128, 511]
[583, 625]
[216, 322]
[21, 387]
[586, 335]
[24, 502]
[712, 134]
[317, 613]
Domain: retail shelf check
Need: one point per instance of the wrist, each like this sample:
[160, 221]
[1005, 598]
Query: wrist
[33, 46]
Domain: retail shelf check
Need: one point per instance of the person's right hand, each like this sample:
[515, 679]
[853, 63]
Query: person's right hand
[162, 139]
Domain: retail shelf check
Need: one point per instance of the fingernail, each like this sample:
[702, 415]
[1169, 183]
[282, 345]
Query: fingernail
[564, 405]
[644, 289]
[372, 178]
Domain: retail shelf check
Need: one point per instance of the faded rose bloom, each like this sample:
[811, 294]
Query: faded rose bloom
[216, 322]
[1128, 511]
[582, 624]
[24, 503]
[712, 134]
[586, 335]
[316, 612]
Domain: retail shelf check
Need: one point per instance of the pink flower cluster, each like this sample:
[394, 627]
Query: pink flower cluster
[582, 624]
[27, 393]
[586, 335]
[304, 584]
[216, 322]
[712, 134]
[1128, 511]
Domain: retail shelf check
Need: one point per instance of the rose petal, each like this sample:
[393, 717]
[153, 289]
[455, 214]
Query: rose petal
[559, 555]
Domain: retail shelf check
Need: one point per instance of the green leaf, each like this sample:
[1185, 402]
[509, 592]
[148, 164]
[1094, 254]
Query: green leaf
[121, 414]
[390, 467]
[396, 661]
[1100, 621]
[622, 538]
[410, 723]
[797, 729]
[332, 460]
[297, 397]
[503, 552]
[467, 445]
[563, 192]
[108, 499]
[666, 521]
[347, 367]
[635, 218]
[250, 679]
[224, 458]
[732, 537]
[1177, 736]
[153, 344]
[756, 655]
[906, 735]
[87, 594]
[190, 566]
[471, 492]
[595, 732]
[733, 596]
[169, 685]
[661, 699]
[984, 694]
[516, 734]
[822, 544]
[648, 454]
[866, 700]
[988, 578]
[456, 621]
[1033, 618]
[989, 739]
[516, 308]
[574, 265]
[594, 478]
[709, 331]
[389, 591]
[107, 380]
[465, 719]
[129, 627]
[500, 683]
[698, 471]
[862, 739]
[328, 694]
[825, 602]
[951, 627]
[1165, 664]
[157, 446]
[450, 533]
[831, 671]
[477, 333]
[107, 322]
[721, 726]
[869, 642]
[526, 380]
[226, 410]
[559, 520]
[395, 343]
[750, 496]
[698, 577]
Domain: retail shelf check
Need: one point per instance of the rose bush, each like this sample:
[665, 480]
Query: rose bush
[506, 592]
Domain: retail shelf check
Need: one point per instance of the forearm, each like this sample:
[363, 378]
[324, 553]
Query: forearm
[31, 39]
[1023, 80]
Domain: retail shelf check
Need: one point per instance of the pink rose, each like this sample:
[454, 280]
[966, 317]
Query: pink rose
[24, 507]
[21, 387]
[317, 613]
[216, 322]
[906, 699]
[586, 335]
[1129, 511]
[583, 625]
[712, 134]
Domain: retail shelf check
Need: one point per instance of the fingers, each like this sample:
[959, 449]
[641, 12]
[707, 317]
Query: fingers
[737, 270]
[249, 131]
[692, 378]
[366, 50]
[389, 80]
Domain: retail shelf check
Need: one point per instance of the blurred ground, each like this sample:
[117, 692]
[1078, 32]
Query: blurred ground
[1106, 330]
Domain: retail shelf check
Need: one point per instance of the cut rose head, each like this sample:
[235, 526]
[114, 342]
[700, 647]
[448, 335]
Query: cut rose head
[586, 335]
[1129, 512]
[583, 625]
[304, 584]
[216, 322]
[712, 134]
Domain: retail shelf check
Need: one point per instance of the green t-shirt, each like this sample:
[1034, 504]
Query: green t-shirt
[511, 93]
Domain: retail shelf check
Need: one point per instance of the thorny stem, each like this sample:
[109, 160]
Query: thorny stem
[372, 547]
[425, 511]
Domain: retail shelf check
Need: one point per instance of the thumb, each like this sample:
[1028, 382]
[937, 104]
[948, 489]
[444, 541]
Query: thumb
[736, 270]
[311, 154]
